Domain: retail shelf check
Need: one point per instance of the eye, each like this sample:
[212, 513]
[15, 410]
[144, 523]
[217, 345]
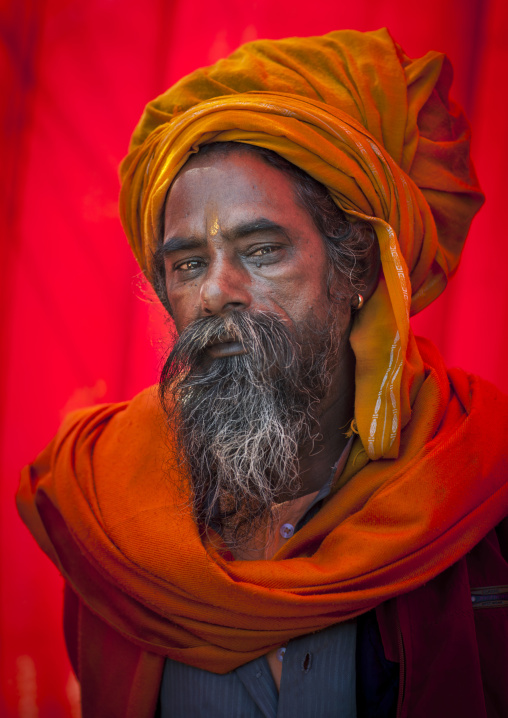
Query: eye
[189, 265]
[266, 254]
[265, 249]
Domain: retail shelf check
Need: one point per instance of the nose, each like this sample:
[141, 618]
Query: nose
[225, 287]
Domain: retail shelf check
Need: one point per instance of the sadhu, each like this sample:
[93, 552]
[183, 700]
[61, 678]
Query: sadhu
[309, 513]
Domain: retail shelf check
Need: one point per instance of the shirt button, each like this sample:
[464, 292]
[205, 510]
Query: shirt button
[287, 530]
[280, 653]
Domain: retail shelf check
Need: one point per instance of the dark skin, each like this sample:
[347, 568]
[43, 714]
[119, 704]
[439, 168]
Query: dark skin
[235, 237]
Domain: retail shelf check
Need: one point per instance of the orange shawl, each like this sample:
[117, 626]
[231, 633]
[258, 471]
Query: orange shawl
[378, 130]
[105, 499]
[106, 503]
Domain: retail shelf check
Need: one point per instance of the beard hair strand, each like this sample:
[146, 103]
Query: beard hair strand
[240, 421]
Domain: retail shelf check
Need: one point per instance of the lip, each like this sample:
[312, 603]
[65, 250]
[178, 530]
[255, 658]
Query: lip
[225, 349]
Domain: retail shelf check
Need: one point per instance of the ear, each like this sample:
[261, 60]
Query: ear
[372, 266]
[369, 264]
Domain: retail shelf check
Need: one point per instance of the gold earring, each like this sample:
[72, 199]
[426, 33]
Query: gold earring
[359, 302]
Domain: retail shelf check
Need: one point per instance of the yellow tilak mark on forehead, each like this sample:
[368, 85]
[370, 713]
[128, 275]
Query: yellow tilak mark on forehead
[214, 229]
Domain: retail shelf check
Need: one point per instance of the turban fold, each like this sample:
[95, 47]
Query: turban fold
[373, 126]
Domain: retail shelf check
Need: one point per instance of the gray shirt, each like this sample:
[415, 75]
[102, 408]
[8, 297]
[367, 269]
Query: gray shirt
[318, 677]
[318, 681]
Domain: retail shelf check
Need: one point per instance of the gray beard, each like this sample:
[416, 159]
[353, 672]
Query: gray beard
[240, 421]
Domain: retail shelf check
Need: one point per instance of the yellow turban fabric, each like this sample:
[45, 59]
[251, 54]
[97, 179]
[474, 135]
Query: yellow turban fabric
[373, 126]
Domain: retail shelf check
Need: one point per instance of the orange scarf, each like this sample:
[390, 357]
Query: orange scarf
[106, 500]
[108, 505]
[378, 130]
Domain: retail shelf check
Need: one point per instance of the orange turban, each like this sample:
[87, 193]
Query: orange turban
[373, 126]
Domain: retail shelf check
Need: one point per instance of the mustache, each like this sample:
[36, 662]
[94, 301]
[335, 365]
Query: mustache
[263, 336]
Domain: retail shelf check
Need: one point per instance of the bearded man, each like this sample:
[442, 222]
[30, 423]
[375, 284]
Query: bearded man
[309, 516]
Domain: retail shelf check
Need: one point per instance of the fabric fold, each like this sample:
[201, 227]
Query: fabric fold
[106, 500]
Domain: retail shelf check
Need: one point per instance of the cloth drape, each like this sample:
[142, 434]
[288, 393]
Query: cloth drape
[108, 503]
[108, 500]
[378, 130]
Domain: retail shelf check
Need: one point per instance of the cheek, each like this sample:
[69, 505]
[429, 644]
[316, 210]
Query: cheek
[307, 291]
[299, 297]
[184, 304]
[312, 302]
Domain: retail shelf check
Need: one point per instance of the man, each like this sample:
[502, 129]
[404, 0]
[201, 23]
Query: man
[310, 515]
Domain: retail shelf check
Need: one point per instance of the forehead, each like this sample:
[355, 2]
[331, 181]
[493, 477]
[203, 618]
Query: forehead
[233, 184]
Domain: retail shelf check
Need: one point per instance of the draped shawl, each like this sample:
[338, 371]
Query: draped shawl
[107, 501]
[373, 126]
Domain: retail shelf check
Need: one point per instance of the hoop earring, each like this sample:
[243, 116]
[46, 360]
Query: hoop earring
[359, 302]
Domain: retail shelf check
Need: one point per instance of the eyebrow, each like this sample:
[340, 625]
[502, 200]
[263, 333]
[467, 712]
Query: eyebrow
[260, 224]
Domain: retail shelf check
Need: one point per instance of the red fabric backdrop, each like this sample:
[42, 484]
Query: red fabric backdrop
[76, 323]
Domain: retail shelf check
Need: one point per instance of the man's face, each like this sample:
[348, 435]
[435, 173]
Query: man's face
[235, 238]
[262, 348]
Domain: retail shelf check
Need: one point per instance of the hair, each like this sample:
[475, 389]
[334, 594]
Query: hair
[348, 244]
[240, 421]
